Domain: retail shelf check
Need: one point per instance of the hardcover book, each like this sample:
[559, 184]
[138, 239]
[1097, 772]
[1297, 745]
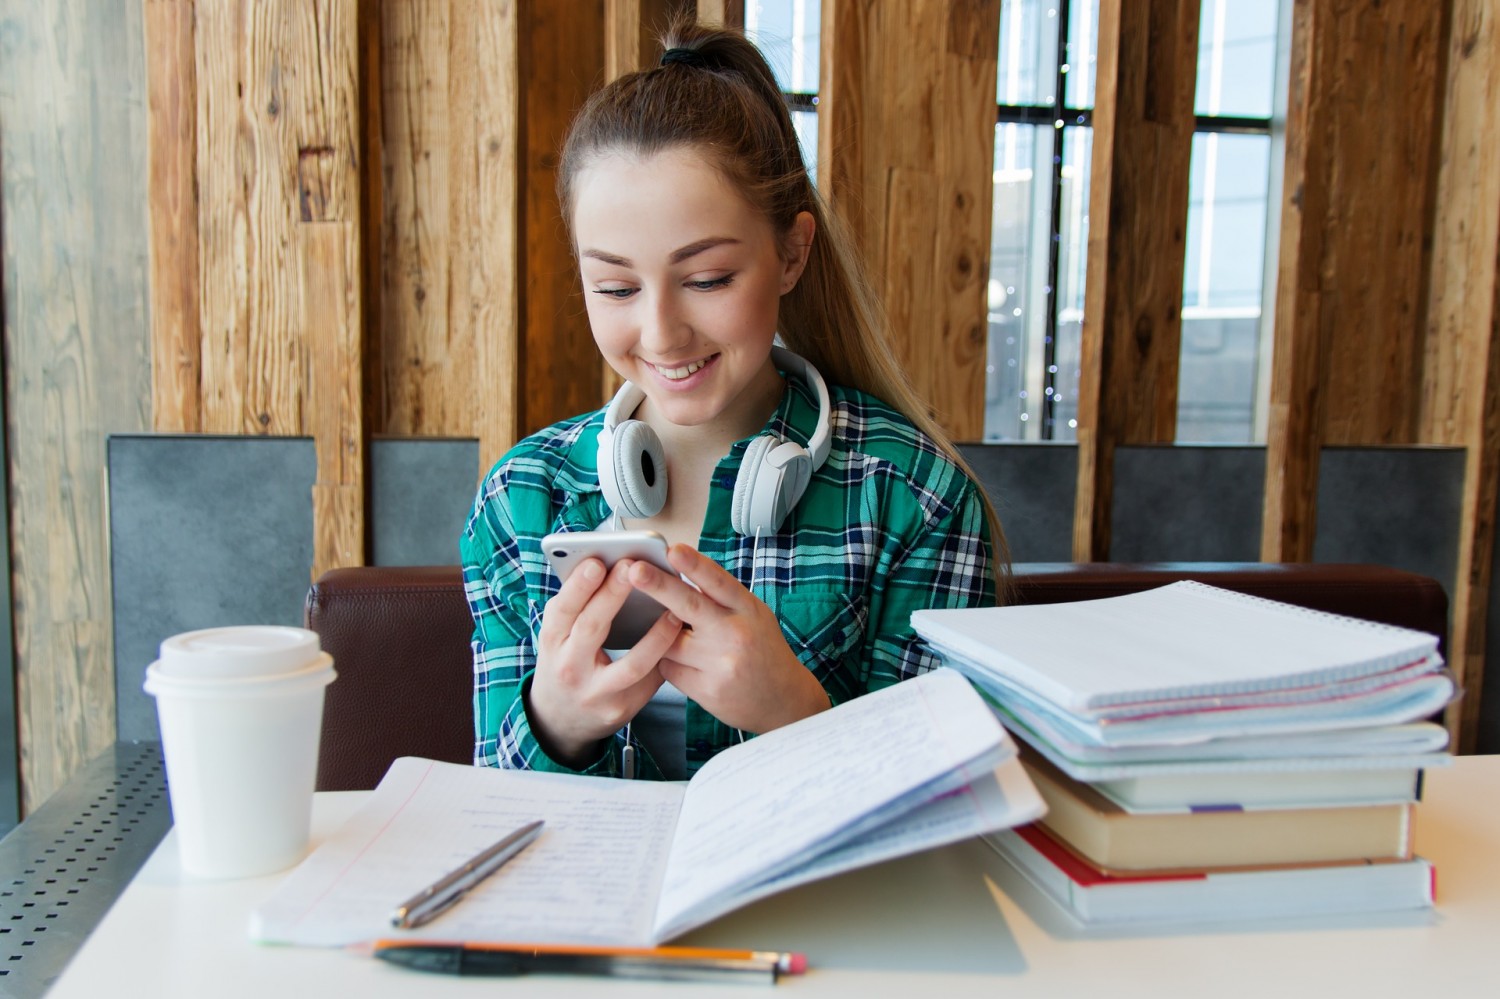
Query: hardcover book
[1219, 837]
[1094, 896]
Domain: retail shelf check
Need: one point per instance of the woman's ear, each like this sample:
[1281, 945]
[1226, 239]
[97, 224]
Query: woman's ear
[798, 246]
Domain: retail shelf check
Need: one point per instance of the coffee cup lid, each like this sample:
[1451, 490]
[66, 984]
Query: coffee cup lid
[238, 651]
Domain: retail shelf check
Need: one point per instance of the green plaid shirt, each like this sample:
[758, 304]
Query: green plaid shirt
[887, 526]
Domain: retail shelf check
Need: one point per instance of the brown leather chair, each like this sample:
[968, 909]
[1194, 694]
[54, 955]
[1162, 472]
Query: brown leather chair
[399, 638]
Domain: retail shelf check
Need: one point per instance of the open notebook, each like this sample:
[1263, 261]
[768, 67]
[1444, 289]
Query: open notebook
[620, 862]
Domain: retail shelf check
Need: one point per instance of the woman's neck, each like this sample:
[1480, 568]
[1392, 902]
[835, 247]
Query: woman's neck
[694, 452]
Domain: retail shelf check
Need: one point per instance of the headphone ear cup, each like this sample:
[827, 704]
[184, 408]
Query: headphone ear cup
[633, 470]
[746, 505]
[772, 478]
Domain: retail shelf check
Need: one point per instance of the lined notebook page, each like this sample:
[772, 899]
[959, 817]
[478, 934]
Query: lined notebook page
[1186, 639]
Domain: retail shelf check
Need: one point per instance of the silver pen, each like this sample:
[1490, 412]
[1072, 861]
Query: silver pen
[431, 901]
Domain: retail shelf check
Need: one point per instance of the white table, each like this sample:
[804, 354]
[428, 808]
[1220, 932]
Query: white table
[954, 922]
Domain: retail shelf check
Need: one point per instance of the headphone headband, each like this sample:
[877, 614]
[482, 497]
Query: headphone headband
[822, 439]
[622, 405]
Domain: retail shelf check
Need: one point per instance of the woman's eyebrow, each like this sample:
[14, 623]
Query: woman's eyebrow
[676, 257]
[608, 258]
[695, 248]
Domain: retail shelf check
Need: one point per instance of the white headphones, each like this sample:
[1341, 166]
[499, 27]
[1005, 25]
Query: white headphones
[772, 476]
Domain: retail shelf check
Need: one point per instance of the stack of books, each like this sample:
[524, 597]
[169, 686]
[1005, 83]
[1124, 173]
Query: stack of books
[1206, 754]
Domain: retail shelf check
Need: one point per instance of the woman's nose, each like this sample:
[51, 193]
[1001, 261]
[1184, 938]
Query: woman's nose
[664, 327]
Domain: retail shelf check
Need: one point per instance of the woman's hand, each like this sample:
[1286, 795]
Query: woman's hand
[578, 695]
[732, 658]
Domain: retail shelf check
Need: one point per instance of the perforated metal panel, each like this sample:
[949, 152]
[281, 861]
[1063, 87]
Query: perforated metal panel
[62, 868]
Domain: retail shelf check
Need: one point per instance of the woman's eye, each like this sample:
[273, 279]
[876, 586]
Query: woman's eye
[719, 282]
[615, 292]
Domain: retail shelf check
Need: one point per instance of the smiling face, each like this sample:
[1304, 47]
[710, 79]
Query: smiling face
[683, 280]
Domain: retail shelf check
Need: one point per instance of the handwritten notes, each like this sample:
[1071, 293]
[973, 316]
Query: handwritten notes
[636, 862]
[591, 876]
[753, 812]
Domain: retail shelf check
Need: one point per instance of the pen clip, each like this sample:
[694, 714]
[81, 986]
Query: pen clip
[439, 897]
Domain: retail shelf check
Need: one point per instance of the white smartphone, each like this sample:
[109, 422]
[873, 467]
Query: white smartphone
[639, 612]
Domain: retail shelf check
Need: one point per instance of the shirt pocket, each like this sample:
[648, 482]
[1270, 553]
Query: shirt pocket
[826, 631]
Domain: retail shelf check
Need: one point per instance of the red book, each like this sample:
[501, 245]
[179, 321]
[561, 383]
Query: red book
[1093, 895]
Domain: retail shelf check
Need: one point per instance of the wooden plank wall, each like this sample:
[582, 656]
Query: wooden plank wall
[1460, 385]
[77, 364]
[474, 101]
[907, 158]
[447, 290]
[456, 193]
[1138, 198]
[172, 134]
[254, 116]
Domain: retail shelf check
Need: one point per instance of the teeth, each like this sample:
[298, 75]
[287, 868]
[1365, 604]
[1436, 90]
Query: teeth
[677, 374]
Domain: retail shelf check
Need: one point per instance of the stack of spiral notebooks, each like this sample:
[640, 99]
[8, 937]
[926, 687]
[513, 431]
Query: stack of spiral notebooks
[1210, 755]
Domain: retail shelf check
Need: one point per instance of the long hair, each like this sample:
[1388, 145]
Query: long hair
[715, 92]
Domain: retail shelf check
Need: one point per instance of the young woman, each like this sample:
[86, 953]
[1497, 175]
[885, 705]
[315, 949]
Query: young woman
[813, 503]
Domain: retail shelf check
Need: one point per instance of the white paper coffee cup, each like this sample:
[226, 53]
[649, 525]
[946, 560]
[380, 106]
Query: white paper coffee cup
[241, 711]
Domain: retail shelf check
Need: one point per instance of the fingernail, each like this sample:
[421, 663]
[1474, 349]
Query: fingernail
[591, 570]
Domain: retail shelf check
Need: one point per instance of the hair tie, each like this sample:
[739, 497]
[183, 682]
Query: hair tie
[688, 57]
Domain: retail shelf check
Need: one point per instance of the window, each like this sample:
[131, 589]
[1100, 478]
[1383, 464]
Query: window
[1043, 148]
[1044, 93]
[1225, 320]
[787, 33]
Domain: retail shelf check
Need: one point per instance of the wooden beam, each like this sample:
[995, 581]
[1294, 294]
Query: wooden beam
[1460, 399]
[172, 130]
[329, 209]
[1387, 61]
[370, 117]
[1353, 273]
[331, 294]
[906, 157]
[1295, 421]
[1132, 326]
[487, 267]
[425, 383]
[451, 274]
[77, 355]
[561, 63]
[249, 72]
[843, 66]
